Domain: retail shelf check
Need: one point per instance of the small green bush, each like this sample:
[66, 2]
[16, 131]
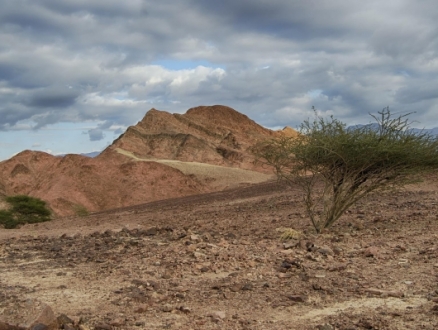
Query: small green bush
[24, 209]
[80, 210]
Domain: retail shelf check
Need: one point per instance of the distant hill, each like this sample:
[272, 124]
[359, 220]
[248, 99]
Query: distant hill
[430, 131]
[88, 154]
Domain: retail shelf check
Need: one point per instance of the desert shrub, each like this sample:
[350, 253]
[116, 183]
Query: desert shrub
[7, 219]
[24, 209]
[336, 166]
[80, 210]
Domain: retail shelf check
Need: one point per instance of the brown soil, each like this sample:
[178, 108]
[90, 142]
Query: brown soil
[215, 261]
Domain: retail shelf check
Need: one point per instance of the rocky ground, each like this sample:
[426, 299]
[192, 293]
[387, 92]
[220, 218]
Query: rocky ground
[216, 261]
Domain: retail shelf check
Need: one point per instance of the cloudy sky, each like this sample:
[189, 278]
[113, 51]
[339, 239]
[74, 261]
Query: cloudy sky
[75, 73]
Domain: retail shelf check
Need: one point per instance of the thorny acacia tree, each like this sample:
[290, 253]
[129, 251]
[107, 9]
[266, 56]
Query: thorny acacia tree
[336, 166]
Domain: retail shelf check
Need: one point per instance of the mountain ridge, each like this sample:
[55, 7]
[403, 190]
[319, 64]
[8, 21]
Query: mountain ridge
[163, 156]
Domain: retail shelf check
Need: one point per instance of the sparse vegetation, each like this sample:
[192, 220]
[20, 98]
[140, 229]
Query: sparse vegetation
[80, 210]
[23, 209]
[336, 166]
[288, 233]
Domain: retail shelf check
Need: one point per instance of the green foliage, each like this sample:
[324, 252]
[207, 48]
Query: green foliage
[24, 209]
[80, 210]
[336, 166]
[289, 233]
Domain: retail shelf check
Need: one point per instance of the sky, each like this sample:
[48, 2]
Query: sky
[74, 74]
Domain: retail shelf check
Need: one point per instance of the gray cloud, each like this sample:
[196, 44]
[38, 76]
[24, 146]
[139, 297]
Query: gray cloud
[53, 98]
[73, 61]
[95, 134]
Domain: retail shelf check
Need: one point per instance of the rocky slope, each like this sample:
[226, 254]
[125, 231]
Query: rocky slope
[215, 135]
[163, 156]
[74, 182]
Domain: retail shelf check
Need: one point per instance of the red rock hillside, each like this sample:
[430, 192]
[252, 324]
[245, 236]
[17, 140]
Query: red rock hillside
[71, 182]
[163, 156]
[215, 135]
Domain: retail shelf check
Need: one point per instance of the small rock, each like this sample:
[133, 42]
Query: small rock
[372, 251]
[235, 287]
[289, 245]
[69, 327]
[64, 319]
[297, 298]
[205, 269]
[377, 292]
[317, 287]
[325, 327]
[185, 309]
[102, 326]
[286, 264]
[151, 231]
[219, 314]
[326, 251]
[198, 255]
[39, 326]
[140, 309]
[247, 287]
[166, 308]
[117, 322]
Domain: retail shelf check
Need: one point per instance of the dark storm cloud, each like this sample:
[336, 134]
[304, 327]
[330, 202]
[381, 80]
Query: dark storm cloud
[93, 60]
[53, 98]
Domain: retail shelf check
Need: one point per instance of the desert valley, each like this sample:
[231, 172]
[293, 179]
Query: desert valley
[175, 226]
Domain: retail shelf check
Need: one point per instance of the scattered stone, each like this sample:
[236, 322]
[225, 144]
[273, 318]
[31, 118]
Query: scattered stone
[151, 231]
[235, 287]
[317, 287]
[102, 326]
[326, 251]
[289, 245]
[325, 327]
[372, 251]
[166, 308]
[218, 314]
[39, 326]
[117, 322]
[377, 292]
[64, 319]
[185, 309]
[298, 298]
[247, 287]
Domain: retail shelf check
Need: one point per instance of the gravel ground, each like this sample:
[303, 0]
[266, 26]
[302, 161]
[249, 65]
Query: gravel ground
[216, 261]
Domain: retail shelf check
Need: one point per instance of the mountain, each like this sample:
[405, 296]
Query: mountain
[216, 135]
[163, 156]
